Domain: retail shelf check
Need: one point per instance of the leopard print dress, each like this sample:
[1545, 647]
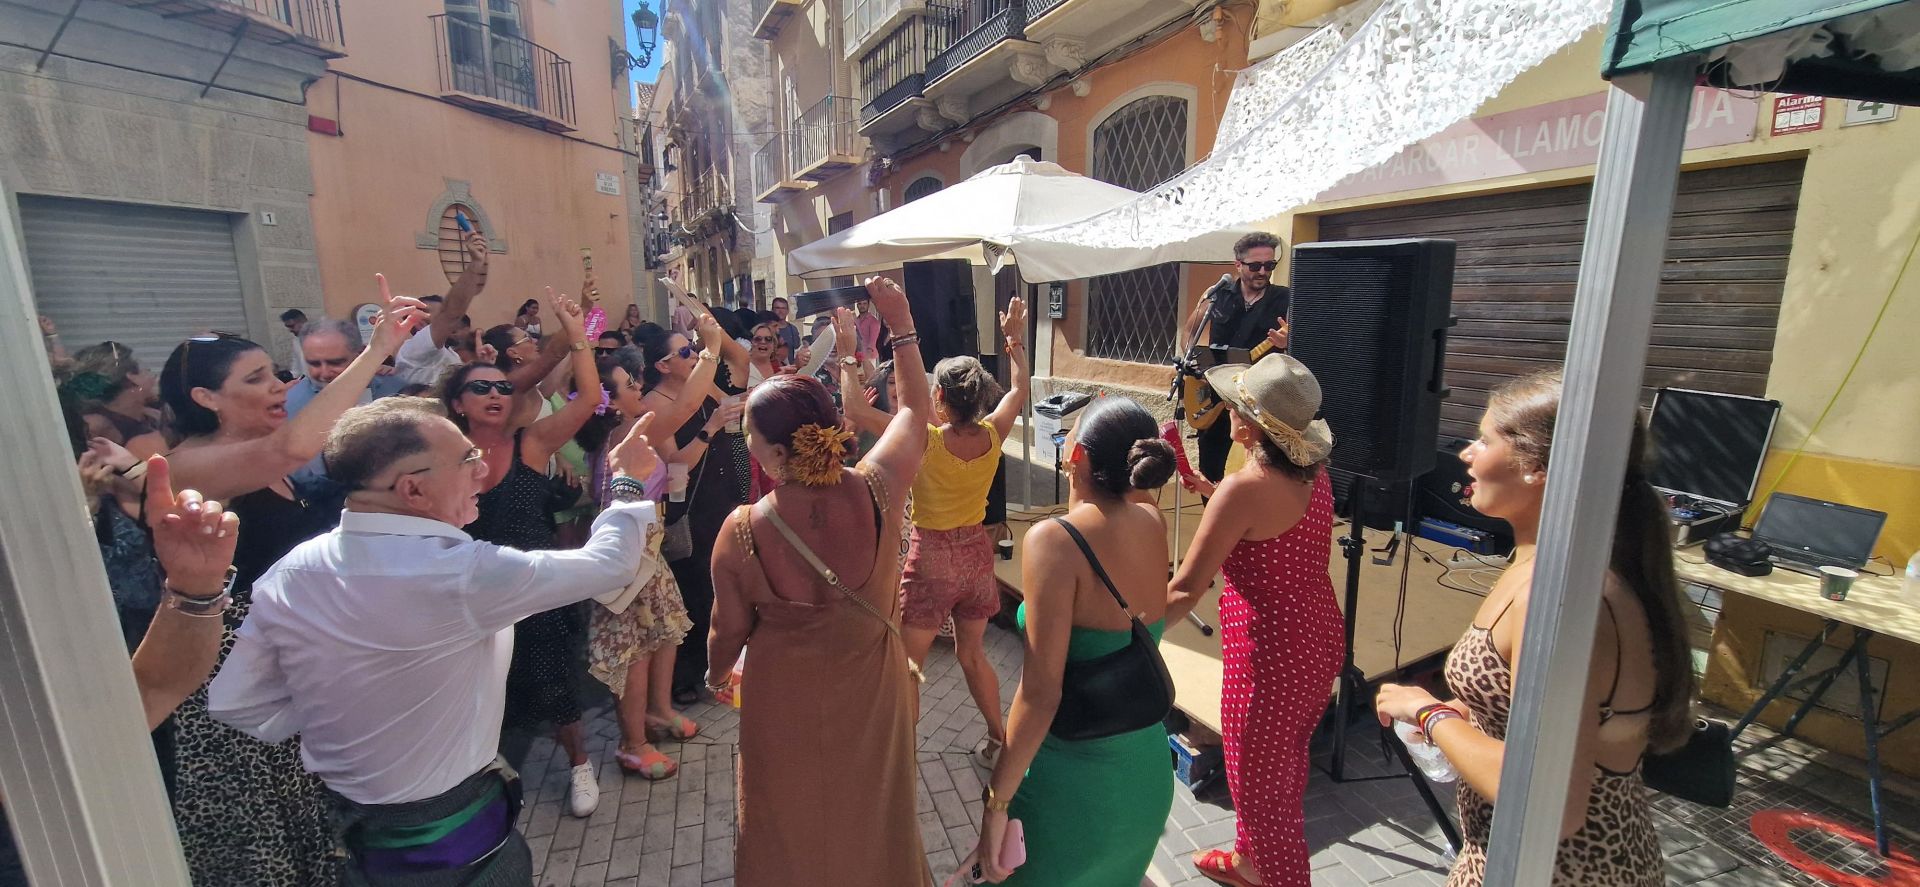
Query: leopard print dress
[1615, 847]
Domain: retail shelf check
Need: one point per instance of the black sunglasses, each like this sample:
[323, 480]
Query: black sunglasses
[765, 340]
[1260, 266]
[482, 386]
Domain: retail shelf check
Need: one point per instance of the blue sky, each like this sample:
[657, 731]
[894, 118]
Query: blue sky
[652, 71]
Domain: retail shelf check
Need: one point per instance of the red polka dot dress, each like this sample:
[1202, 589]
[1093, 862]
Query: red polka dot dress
[1282, 637]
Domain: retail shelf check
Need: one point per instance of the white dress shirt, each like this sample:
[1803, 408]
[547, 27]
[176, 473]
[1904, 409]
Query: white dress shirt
[420, 363]
[385, 643]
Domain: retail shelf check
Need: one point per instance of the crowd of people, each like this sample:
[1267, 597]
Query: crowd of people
[370, 568]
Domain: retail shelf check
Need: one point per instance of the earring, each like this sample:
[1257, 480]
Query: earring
[1526, 479]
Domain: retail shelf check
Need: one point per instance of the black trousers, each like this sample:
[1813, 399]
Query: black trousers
[1215, 443]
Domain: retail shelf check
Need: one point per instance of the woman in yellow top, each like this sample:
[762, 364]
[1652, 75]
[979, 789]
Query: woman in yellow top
[949, 566]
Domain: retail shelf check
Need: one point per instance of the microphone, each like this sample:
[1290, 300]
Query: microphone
[1224, 280]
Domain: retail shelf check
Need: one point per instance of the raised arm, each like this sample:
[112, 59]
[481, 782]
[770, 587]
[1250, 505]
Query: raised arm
[554, 349]
[194, 540]
[1050, 581]
[225, 470]
[734, 353]
[1013, 323]
[853, 404]
[548, 435]
[460, 297]
[904, 444]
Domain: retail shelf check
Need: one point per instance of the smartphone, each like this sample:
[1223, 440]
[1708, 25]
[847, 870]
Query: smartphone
[460, 218]
[815, 302]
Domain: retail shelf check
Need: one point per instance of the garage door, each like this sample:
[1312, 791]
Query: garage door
[1519, 254]
[145, 276]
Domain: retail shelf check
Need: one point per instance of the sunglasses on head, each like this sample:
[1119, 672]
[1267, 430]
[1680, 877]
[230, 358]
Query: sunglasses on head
[482, 386]
[212, 336]
[1260, 266]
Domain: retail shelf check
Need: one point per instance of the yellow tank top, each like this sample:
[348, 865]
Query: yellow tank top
[951, 492]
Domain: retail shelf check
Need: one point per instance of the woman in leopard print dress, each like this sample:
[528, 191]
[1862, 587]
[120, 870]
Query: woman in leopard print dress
[1639, 685]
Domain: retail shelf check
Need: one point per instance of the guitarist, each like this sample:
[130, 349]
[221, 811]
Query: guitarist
[1248, 313]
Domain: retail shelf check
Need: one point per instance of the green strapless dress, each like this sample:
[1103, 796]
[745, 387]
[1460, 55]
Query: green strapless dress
[1094, 811]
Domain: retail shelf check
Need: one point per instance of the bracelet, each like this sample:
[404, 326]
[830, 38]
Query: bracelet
[720, 687]
[626, 489]
[1432, 714]
[994, 803]
[903, 339]
[709, 356]
[200, 607]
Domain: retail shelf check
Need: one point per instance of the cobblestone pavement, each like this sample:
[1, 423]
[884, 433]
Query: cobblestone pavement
[679, 833]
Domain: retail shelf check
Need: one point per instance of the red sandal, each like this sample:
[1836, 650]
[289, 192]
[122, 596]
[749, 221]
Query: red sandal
[1218, 867]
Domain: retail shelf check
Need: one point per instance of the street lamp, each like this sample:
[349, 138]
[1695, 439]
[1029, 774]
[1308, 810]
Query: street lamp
[646, 28]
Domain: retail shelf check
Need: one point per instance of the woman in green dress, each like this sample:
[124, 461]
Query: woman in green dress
[1092, 810]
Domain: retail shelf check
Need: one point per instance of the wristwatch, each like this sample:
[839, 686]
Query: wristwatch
[200, 606]
[579, 345]
[849, 360]
[704, 436]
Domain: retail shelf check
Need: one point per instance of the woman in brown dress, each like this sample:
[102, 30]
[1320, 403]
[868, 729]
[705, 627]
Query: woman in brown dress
[827, 765]
[1639, 685]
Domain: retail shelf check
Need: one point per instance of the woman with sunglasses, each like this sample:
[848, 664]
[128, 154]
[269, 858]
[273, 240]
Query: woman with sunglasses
[248, 813]
[514, 512]
[684, 389]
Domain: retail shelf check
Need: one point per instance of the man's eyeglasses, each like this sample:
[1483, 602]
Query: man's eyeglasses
[474, 454]
[1260, 266]
[482, 386]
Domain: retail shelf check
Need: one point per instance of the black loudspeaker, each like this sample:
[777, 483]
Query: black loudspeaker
[941, 293]
[1370, 318]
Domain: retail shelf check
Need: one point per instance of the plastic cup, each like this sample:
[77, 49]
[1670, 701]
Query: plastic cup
[1835, 581]
[677, 481]
[735, 426]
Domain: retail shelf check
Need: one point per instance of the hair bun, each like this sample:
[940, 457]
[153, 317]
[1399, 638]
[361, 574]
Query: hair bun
[1150, 463]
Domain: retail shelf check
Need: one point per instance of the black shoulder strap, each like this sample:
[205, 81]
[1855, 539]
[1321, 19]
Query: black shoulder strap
[1095, 563]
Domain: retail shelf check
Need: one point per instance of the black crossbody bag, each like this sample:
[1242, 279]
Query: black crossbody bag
[1123, 691]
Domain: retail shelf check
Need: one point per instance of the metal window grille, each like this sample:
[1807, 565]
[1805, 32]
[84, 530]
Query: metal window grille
[1132, 316]
[921, 188]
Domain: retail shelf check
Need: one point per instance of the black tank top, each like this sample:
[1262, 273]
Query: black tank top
[514, 513]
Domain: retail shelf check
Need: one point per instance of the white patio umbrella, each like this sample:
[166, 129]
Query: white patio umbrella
[979, 219]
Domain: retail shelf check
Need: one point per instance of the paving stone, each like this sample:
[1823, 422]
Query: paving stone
[685, 876]
[559, 869]
[597, 846]
[569, 833]
[687, 848]
[1700, 863]
[624, 860]
[656, 868]
[590, 875]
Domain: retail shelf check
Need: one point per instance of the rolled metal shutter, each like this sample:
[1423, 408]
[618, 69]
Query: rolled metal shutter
[1519, 253]
[145, 276]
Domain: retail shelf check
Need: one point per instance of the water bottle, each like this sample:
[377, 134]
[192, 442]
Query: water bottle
[1428, 757]
[1913, 575]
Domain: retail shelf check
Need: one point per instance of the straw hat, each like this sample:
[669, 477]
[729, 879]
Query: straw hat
[1280, 396]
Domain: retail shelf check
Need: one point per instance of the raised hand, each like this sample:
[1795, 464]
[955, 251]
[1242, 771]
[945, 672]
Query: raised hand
[478, 253]
[572, 318]
[486, 354]
[846, 338]
[192, 538]
[399, 317]
[634, 456]
[1013, 321]
[1278, 336]
[890, 301]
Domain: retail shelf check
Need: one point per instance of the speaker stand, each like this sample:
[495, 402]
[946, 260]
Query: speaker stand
[1353, 681]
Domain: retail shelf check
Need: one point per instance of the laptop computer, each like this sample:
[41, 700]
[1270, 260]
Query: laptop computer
[1807, 534]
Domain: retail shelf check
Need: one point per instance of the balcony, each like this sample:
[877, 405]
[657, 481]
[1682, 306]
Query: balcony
[827, 142]
[771, 178]
[770, 16]
[643, 150]
[705, 196]
[309, 26]
[895, 69]
[973, 28]
[503, 75]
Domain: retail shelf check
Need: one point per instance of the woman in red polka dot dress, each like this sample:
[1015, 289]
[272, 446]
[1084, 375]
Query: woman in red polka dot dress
[1269, 526]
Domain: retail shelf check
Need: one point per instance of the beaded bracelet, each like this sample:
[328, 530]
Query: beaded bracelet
[626, 489]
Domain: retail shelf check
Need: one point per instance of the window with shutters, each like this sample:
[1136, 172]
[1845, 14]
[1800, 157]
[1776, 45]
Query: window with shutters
[453, 258]
[1132, 315]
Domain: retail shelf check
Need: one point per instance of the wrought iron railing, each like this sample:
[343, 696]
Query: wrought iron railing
[974, 27]
[770, 164]
[826, 130]
[1038, 8]
[705, 193]
[894, 70]
[477, 60]
[315, 19]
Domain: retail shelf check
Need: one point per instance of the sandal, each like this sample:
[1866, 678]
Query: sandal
[1218, 866]
[679, 728]
[987, 753]
[650, 764]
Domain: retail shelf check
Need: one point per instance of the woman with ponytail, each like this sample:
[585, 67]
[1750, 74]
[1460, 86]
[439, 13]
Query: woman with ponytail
[1093, 810]
[1639, 685]
[808, 576]
[1269, 527]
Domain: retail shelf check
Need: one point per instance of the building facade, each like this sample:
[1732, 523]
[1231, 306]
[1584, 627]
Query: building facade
[710, 104]
[156, 163]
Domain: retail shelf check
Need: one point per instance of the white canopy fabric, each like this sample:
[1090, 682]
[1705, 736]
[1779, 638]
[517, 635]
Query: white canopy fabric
[1329, 107]
[976, 219]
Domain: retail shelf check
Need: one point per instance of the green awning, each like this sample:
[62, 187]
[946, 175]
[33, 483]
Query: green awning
[1646, 31]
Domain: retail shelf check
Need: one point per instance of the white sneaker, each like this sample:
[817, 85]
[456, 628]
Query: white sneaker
[584, 795]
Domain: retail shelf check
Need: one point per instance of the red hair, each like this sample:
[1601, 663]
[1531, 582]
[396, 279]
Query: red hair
[781, 405]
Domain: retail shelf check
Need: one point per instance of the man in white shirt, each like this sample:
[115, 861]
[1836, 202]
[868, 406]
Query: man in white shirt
[385, 644]
[425, 357]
